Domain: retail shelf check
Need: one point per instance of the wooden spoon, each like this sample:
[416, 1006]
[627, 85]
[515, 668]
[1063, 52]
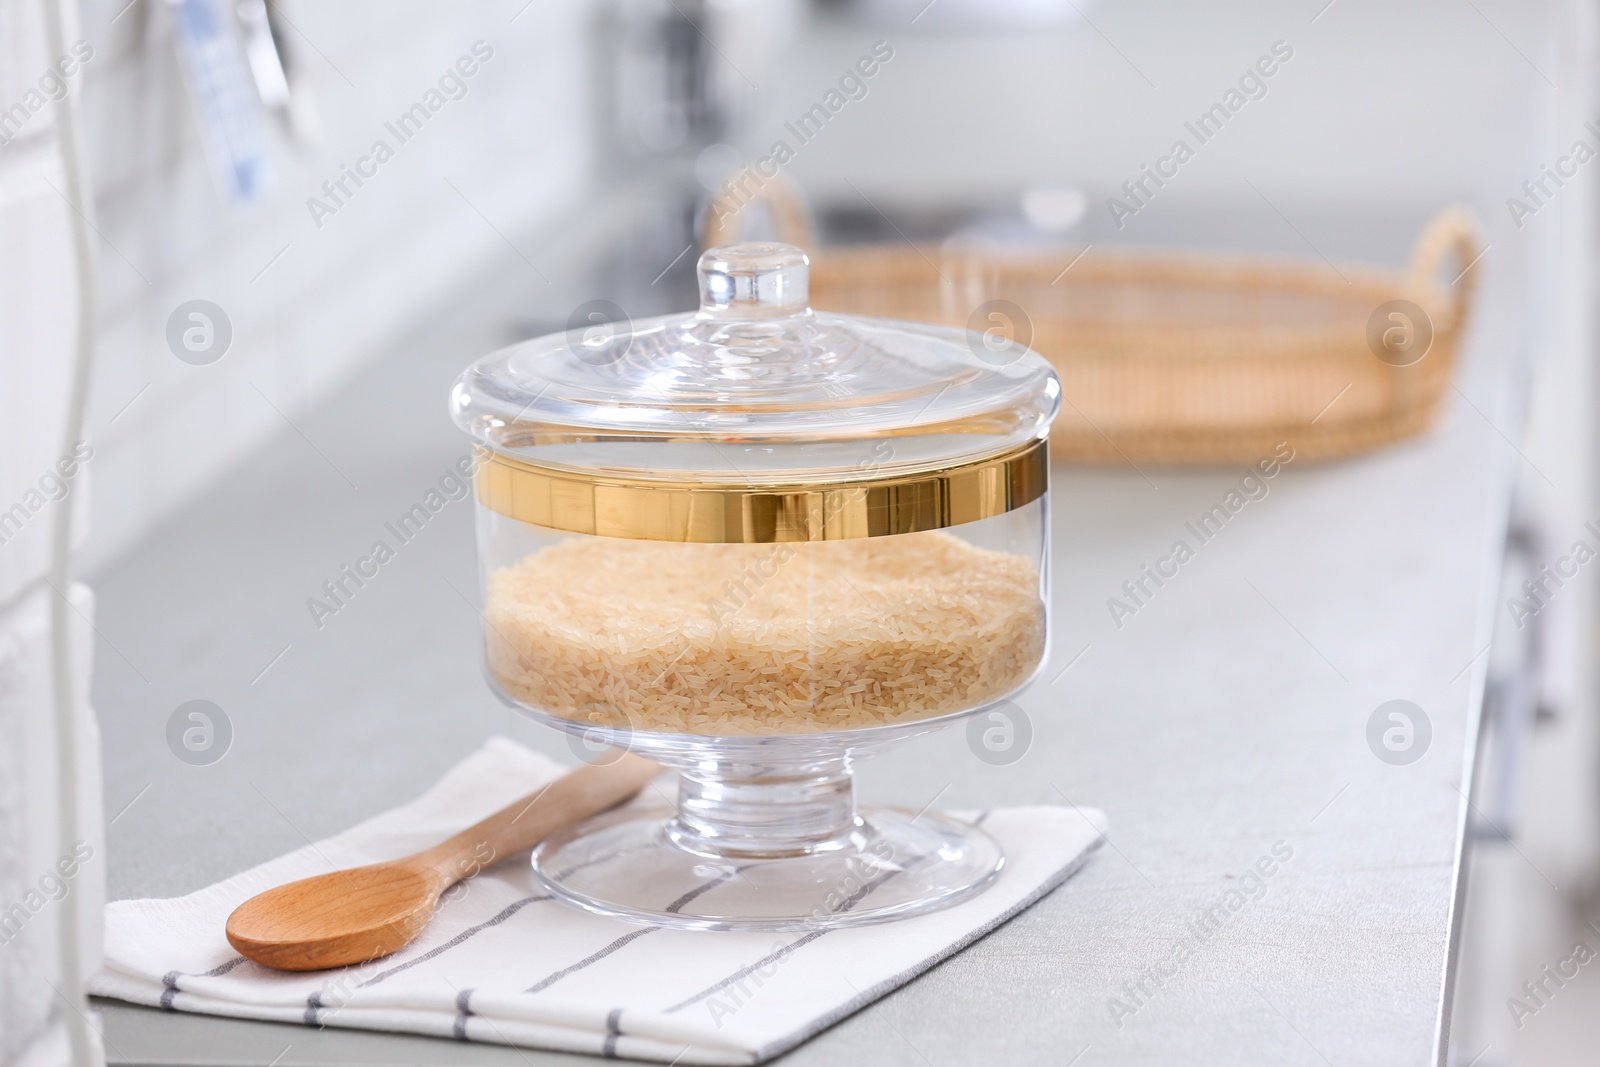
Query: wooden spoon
[357, 915]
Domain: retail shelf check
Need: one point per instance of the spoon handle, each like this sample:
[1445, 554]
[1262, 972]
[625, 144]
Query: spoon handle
[558, 803]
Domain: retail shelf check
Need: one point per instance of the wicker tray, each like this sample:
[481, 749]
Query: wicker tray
[1183, 359]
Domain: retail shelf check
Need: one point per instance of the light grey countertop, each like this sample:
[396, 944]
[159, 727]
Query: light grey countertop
[1228, 717]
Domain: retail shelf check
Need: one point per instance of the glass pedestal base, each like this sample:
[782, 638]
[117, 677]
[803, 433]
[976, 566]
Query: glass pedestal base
[665, 869]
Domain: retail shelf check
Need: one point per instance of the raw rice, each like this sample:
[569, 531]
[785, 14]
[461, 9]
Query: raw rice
[763, 639]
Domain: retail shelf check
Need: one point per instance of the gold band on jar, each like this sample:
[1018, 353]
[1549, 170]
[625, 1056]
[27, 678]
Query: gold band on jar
[782, 511]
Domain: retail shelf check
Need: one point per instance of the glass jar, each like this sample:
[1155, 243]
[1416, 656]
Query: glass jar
[753, 542]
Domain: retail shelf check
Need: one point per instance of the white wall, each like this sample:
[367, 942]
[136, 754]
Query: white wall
[517, 147]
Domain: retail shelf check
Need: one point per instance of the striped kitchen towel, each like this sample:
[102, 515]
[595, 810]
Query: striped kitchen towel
[503, 962]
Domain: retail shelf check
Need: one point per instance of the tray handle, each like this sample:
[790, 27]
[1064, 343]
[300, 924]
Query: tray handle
[791, 216]
[1453, 230]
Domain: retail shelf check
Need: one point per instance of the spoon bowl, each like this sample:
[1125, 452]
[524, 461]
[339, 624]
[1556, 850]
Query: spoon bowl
[338, 918]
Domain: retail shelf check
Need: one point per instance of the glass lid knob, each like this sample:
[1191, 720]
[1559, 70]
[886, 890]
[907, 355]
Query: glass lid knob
[754, 280]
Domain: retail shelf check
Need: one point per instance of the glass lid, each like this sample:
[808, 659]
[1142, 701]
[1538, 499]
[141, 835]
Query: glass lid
[755, 388]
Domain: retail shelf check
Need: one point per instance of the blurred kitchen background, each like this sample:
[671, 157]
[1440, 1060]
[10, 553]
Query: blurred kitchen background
[576, 160]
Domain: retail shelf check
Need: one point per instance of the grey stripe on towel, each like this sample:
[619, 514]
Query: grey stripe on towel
[463, 1012]
[506, 913]
[596, 957]
[628, 938]
[777, 954]
[613, 1031]
[170, 979]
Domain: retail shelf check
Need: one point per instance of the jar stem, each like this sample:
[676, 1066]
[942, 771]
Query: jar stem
[739, 815]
